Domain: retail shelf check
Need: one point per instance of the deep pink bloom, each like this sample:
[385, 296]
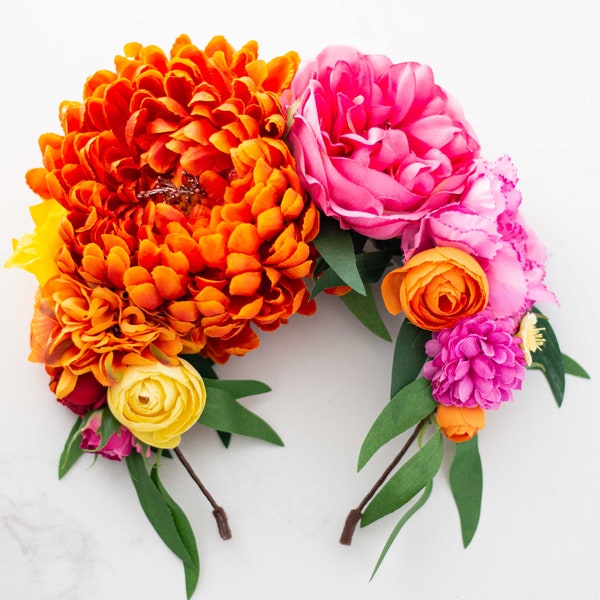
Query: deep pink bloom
[119, 445]
[477, 362]
[89, 394]
[378, 145]
[486, 223]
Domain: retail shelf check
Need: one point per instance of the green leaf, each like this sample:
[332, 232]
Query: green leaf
[466, 482]
[408, 481]
[156, 508]
[203, 365]
[225, 438]
[409, 513]
[409, 355]
[572, 367]
[223, 413]
[108, 427]
[71, 452]
[238, 388]
[186, 534]
[408, 406]
[370, 265]
[336, 247]
[365, 310]
[550, 360]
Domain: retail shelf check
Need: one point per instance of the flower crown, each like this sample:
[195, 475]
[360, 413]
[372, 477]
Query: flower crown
[195, 198]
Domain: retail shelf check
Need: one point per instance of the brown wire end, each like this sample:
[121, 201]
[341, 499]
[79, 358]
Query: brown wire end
[222, 523]
[354, 516]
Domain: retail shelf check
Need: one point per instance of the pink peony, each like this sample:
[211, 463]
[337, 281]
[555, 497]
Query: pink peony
[378, 145]
[477, 362]
[118, 446]
[486, 223]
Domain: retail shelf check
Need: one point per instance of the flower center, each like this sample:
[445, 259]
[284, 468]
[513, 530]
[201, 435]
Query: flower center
[184, 196]
[531, 336]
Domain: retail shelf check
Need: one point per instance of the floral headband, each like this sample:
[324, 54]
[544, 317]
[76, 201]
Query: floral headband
[195, 199]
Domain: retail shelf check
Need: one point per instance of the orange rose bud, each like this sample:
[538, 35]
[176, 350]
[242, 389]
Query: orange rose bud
[458, 423]
[436, 287]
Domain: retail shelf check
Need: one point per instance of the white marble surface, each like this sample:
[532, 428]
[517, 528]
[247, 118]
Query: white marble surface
[528, 76]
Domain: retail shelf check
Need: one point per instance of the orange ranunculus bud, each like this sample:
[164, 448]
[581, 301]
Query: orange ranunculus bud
[460, 424]
[436, 287]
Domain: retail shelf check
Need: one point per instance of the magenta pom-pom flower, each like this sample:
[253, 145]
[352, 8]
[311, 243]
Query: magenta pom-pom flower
[477, 362]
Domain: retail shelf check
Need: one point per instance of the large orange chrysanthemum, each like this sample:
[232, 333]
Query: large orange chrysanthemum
[184, 206]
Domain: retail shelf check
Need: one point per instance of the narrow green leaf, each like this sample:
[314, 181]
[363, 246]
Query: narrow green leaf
[223, 413]
[225, 438]
[336, 247]
[466, 482]
[370, 265]
[71, 452]
[408, 406]
[156, 508]
[238, 388]
[550, 359]
[407, 515]
[572, 367]
[108, 427]
[403, 485]
[186, 534]
[412, 403]
[409, 355]
[365, 310]
[381, 432]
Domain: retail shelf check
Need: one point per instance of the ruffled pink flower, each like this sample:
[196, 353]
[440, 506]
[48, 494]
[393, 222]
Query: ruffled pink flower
[477, 362]
[486, 223]
[119, 445]
[378, 145]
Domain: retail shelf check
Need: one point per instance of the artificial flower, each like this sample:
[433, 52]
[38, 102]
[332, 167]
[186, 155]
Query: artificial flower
[118, 446]
[78, 329]
[378, 145]
[458, 423]
[88, 394]
[477, 362]
[436, 287]
[531, 336]
[36, 252]
[182, 196]
[485, 222]
[158, 403]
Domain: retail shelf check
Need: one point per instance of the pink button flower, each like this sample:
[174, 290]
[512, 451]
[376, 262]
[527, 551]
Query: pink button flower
[477, 362]
[378, 145]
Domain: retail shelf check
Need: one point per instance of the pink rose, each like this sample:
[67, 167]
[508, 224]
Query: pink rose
[118, 446]
[378, 145]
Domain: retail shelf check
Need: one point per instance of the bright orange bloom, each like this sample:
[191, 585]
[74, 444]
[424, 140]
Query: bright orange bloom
[183, 199]
[436, 288]
[78, 329]
[458, 423]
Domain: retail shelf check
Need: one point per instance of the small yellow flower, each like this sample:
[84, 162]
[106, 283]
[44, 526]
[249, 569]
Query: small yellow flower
[36, 252]
[531, 336]
[158, 403]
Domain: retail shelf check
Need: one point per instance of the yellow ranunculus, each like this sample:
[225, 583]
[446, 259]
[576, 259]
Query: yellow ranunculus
[158, 403]
[36, 252]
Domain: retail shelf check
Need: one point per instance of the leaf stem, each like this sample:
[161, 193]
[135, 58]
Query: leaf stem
[355, 515]
[218, 512]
